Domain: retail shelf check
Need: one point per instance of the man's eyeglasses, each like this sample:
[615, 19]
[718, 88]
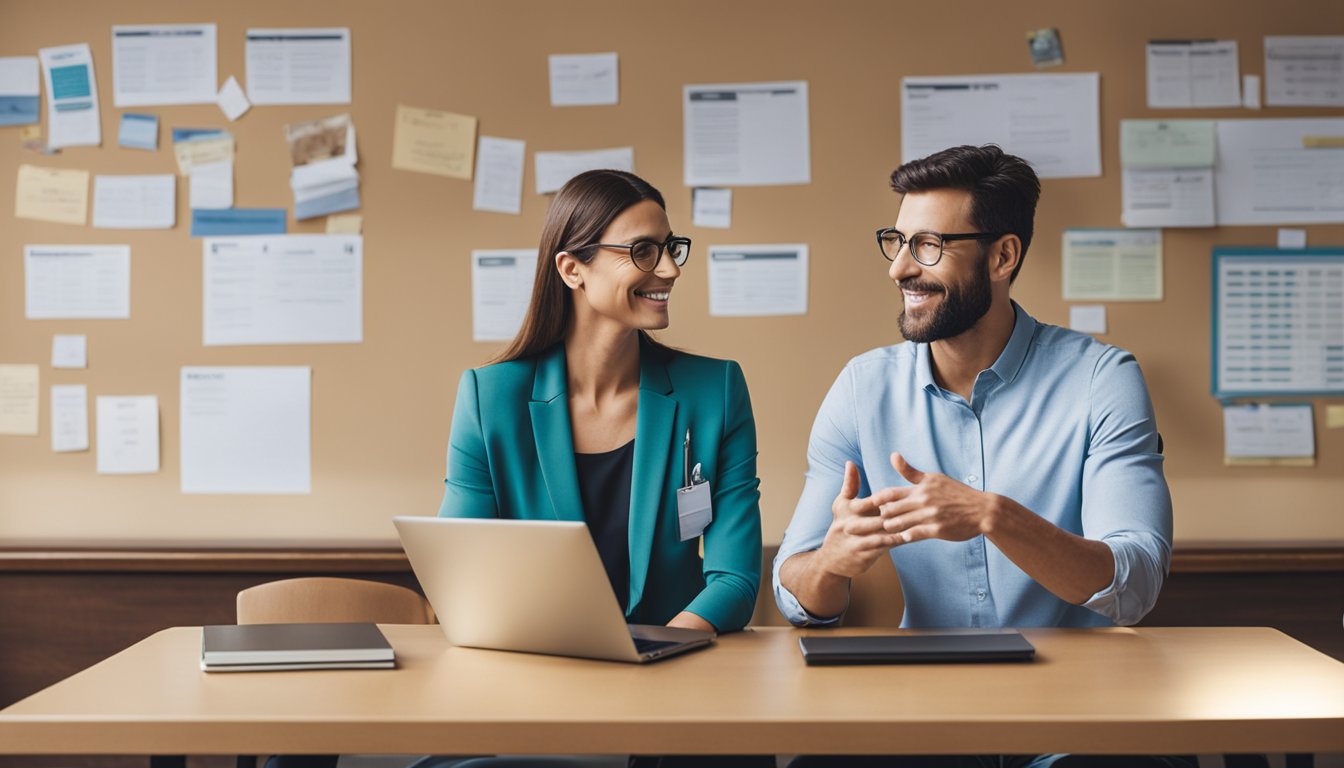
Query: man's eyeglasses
[647, 253]
[925, 247]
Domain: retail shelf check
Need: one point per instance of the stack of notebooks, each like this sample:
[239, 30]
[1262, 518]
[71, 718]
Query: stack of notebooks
[280, 647]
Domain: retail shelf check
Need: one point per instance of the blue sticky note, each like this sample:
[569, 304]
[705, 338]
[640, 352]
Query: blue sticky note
[237, 221]
[191, 134]
[139, 131]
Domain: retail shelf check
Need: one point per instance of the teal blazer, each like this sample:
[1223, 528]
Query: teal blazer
[511, 455]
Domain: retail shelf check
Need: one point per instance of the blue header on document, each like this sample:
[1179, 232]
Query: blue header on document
[18, 110]
[238, 221]
[753, 256]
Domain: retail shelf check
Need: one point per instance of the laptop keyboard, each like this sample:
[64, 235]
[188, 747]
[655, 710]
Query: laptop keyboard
[649, 646]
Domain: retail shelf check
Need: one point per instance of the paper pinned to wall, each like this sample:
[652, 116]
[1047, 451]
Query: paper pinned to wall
[1167, 143]
[434, 141]
[712, 207]
[201, 146]
[138, 131]
[553, 169]
[18, 399]
[72, 97]
[1269, 434]
[246, 429]
[758, 280]
[210, 186]
[1112, 264]
[1266, 175]
[1088, 318]
[231, 99]
[324, 154]
[157, 64]
[69, 350]
[345, 224]
[60, 195]
[584, 79]
[1051, 121]
[77, 281]
[283, 289]
[128, 434]
[1306, 71]
[20, 96]
[1193, 73]
[501, 287]
[499, 175]
[298, 66]
[69, 417]
[135, 202]
[744, 134]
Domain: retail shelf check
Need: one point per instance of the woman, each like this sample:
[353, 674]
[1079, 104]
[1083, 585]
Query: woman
[585, 417]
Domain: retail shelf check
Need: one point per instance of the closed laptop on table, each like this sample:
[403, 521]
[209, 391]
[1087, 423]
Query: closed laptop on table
[916, 648]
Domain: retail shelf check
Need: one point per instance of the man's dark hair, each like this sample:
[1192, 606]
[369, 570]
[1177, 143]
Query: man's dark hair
[1004, 189]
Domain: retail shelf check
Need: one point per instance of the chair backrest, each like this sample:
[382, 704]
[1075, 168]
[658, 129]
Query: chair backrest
[325, 599]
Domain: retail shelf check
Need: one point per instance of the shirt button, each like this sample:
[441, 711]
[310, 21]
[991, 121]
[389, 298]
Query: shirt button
[980, 595]
[972, 478]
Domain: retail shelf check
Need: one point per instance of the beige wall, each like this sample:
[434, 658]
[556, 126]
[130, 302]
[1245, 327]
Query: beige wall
[381, 409]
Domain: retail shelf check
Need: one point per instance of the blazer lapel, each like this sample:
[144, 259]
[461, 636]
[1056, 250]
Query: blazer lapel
[553, 435]
[654, 440]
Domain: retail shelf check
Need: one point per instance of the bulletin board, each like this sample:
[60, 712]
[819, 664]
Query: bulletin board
[381, 408]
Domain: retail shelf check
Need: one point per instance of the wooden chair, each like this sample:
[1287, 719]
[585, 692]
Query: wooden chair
[308, 600]
[324, 599]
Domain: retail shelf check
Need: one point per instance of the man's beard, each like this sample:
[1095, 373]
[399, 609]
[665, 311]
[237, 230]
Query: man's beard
[958, 310]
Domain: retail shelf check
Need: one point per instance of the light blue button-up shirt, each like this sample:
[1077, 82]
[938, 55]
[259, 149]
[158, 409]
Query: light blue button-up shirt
[1061, 424]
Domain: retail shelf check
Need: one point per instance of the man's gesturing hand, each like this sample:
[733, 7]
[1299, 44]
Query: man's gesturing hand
[856, 538]
[934, 506]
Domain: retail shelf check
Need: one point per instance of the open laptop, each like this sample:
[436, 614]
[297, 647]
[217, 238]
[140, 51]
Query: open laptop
[529, 585]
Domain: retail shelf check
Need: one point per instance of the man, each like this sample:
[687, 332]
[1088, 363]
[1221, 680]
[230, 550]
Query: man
[1010, 469]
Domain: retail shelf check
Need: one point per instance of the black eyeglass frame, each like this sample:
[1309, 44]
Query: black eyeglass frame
[943, 240]
[663, 247]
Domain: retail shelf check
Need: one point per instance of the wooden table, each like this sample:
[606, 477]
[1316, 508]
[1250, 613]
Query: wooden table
[1153, 690]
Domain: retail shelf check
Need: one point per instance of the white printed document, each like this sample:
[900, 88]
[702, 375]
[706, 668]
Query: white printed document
[283, 289]
[1268, 431]
[553, 169]
[210, 186]
[1266, 175]
[757, 280]
[501, 287]
[1167, 197]
[157, 64]
[1193, 73]
[746, 134]
[69, 418]
[1112, 264]
[128, 435]
[77, 281]
[499, 175]
[72, 97]
[712, 207]
[135, 202]
[1278, 324]
[246, 430]
[1304, 71]
[20, 90]
[584, 79]
[1051, 121]
[69, 350]
[298, 66]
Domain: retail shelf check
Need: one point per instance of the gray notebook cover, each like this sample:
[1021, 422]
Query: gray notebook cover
[898, 649]
[253, 644]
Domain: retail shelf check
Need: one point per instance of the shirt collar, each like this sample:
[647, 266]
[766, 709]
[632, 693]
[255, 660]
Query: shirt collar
[1006, 367]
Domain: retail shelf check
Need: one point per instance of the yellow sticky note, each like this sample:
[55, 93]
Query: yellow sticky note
[202, 152]
[436, 142]
[30, 133]
[18, 399]
[1334, 416]
[347, 224]
[52, 194]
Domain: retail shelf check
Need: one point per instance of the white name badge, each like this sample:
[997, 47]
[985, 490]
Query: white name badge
[694, 511]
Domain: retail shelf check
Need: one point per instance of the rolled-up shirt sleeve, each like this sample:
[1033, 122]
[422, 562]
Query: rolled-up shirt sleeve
[1126, 502]
[834, 441]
